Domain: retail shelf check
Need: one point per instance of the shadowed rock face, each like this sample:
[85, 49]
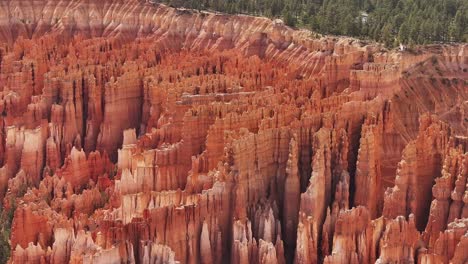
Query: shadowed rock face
[137, 133]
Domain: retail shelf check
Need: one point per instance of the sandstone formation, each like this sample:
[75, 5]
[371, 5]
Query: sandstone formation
[133, 132]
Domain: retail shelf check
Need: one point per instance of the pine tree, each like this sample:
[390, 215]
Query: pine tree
[289, 19]
[390, 21]
[457, 26]
[403, 33]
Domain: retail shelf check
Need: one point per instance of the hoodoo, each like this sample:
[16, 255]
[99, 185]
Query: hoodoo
[133, 132]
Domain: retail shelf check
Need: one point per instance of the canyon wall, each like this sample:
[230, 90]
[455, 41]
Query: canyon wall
[137, 133]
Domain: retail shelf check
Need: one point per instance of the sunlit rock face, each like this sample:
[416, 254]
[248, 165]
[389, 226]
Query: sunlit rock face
[138, 133]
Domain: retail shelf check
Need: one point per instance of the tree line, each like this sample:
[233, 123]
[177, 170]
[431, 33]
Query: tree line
[391, 22]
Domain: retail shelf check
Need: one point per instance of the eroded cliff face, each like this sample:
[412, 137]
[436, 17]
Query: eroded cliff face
[137, 133]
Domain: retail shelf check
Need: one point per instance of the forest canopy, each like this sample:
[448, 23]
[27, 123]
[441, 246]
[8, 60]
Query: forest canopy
[389, 21]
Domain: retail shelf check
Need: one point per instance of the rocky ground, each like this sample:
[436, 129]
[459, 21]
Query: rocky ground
[137, 133]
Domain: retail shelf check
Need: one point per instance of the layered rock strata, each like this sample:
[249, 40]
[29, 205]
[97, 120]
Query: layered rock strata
[133, 132]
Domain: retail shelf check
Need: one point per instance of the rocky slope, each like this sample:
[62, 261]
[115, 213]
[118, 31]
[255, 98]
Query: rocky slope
[137, 133]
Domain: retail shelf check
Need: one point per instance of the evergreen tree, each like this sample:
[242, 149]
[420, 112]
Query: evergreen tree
[404, 32]
[390, 21]
[289, 19]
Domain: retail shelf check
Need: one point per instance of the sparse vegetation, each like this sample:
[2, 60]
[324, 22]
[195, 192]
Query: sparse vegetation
[104, 198]
[113, 172]
[6, 218]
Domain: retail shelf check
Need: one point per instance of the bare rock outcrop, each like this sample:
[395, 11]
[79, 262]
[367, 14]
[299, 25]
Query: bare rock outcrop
[133, 132]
